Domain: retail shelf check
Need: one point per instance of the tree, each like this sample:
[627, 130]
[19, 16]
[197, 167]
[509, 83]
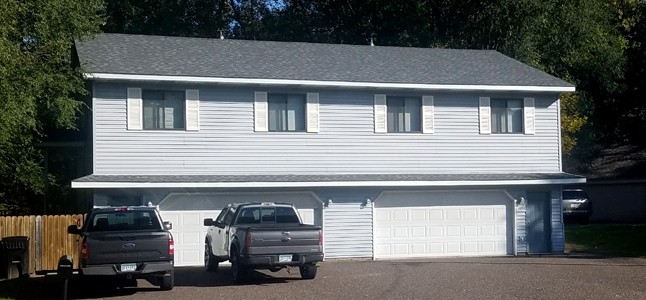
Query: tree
[38, 87]
[200, 18]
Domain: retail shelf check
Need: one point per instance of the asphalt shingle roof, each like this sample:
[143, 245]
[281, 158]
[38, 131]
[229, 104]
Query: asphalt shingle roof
[201, 57]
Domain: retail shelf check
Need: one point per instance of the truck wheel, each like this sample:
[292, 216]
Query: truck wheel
[167, 282]
[210, 261]
[238, 270]
[308, 271]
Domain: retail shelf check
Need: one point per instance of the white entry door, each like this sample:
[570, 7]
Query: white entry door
[406, 229]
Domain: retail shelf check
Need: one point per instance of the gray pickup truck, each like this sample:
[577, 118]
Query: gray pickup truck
[262, 236]
[126, 243]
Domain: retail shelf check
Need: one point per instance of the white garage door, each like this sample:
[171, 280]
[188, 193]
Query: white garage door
[188, 232]
[475, 225]
[188, 211]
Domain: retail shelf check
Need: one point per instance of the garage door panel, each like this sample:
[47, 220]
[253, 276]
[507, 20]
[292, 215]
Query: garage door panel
[471, 230]
[418, 231]
[471, 247]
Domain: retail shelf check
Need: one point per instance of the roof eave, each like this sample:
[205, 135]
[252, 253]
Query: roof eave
[452, 183]
[321, 83]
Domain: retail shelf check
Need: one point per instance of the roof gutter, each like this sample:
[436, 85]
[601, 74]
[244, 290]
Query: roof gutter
[455, 183]
[322, 83]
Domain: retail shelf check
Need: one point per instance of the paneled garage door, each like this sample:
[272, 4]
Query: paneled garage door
[187, 212]
[404, 228]
[188, 232]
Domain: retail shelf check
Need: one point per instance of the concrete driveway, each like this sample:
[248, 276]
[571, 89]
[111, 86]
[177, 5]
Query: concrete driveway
[466, 278]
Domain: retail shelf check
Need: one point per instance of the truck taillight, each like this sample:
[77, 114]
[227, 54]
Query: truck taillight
[171, 246]
[85, 251]
[321, 238]
[247, 241]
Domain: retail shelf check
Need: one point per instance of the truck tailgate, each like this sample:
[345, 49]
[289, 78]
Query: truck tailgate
[285, 239]
[127, 246]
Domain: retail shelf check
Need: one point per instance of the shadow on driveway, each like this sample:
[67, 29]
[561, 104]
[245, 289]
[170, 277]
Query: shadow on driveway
[51, 287]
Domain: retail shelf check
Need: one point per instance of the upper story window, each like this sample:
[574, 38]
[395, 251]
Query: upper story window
[506, 115]
[286, 112]
[163, 110]
[404, 114]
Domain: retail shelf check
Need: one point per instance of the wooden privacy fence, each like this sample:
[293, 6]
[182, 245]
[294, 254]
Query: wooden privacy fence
[48, 238]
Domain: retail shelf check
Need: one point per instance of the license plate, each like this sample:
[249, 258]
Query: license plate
[128, 267]
[284, 258]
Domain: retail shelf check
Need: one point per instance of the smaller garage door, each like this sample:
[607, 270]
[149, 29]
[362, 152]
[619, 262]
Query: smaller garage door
[404, 228]
[188, 232]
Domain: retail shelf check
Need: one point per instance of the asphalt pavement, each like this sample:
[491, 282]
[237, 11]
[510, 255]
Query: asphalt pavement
[457, 278]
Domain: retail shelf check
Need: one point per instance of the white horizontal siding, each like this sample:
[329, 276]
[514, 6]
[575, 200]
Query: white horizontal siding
[227, 144]
[347, 230]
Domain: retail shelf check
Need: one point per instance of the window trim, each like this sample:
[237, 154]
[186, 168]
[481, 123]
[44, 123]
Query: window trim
[304, 117]
[143, 106]
[420, 107]
[495, 129]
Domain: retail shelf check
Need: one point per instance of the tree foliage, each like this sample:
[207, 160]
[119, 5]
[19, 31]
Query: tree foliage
[38, 85]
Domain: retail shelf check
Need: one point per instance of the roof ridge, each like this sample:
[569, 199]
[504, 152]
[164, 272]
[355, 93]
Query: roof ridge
[216, 39]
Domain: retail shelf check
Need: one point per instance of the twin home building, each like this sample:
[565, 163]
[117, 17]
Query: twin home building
[397, 152]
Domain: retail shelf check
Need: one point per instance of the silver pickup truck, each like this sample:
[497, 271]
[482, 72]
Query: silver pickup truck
[262, 236]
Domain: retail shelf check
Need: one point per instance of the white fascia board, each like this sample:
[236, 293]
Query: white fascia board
[321, 83]
[108, 185]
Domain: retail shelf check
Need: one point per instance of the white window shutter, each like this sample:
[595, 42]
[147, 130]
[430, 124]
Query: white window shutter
[134, 109]
[260, 111]
[485, 115]
[380, 114]
[193, 110]
[428, 114]
[312, 109]
[529, 118]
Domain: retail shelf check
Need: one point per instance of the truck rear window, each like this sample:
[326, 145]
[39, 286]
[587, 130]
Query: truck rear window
[574, 195]
[124, 220]
[255, 215]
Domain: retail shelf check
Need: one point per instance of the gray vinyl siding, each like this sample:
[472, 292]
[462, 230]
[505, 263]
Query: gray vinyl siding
[521, 229]
[348, 230]
[227, 144]
[558, 230]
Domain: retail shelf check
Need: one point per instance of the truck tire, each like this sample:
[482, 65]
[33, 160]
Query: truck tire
[308, 271]
[210, 261]
[167, 282]
[238, 270]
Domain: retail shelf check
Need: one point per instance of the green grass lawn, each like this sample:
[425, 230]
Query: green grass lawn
[607, 239]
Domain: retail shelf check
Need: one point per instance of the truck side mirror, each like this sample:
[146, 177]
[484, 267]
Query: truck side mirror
[73, 229]
[208, 222]
[168, 225]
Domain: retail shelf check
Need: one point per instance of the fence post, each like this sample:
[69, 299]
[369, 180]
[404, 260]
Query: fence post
[38, 243]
